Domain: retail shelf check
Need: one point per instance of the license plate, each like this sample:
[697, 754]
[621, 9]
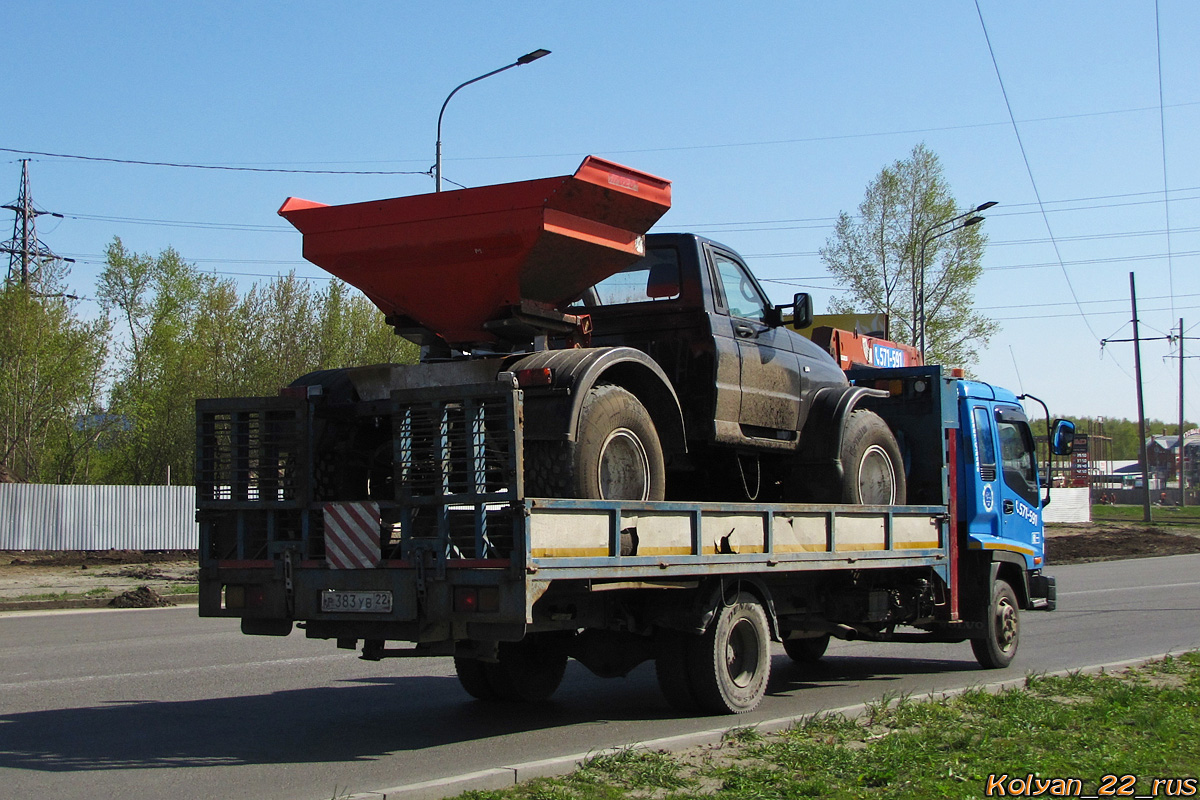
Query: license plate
[356, 602]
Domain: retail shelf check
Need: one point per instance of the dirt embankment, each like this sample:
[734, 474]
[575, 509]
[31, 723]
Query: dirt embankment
[121, 578]
[1108, 541]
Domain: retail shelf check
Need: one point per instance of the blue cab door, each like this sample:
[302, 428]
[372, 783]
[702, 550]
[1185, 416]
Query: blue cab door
[999, 479]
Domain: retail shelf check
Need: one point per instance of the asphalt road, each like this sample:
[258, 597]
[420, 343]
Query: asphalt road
[161, 704]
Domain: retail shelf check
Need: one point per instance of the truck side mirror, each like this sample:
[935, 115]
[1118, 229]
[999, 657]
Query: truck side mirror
[1062, 437]
[802, 312]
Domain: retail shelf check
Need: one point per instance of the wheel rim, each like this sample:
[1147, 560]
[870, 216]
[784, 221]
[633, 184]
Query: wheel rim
[1006, 625]
[876, 478]
[624, 472]
[741, 653]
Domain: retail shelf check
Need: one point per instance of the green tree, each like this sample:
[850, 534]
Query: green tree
[875, 257]
[156, 301]
[51, 373]
[188, 334]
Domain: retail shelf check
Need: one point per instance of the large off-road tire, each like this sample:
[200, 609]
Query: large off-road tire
[1002, 623]
[730, 664]
[528, 671]
[616, 454]
[806, 651]
[872, 467]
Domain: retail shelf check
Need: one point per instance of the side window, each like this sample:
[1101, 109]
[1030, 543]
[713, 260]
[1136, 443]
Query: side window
[985, 449]
[742, 297]
[1017, 456]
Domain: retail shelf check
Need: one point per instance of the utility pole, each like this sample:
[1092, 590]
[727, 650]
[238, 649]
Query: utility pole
[1137, 367]
[1179, 472]
[26, 253]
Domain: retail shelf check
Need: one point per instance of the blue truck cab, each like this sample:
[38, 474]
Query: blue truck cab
[1000, 493]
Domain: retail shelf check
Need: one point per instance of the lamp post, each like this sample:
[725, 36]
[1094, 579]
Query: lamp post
[525, 59]
[928, 236]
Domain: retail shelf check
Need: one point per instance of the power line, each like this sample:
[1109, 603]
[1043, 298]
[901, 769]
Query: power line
[1162, 129]
[221, 167]
[1029, 169]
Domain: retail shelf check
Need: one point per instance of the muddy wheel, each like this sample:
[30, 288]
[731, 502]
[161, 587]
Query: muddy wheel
[729, 665]
[873, 469]
[806, 651]
[1002, 621]
[616, 455]
[671, 669]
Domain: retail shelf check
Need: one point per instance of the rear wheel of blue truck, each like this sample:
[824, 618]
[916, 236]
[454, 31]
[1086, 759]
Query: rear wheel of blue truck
[528, 671]
[1002, 624]
[616, 454]
[725, 669]
[808, 650]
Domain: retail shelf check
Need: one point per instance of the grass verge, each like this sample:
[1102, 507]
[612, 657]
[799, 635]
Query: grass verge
[1109, 731]
[1163, 516]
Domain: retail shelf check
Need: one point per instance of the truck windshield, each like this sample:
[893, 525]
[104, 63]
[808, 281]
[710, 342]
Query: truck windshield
[655, 277]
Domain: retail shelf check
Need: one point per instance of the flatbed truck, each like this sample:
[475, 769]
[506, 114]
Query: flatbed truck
[614, 449]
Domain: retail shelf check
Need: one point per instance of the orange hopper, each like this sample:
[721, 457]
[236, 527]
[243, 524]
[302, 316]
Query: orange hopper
[457, 263]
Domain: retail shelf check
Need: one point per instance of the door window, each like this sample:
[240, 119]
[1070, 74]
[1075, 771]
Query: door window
[742, 297]
[985, 449]
[1017, 457]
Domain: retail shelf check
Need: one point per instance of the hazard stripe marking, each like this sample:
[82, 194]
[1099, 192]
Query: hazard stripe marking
[352, 535]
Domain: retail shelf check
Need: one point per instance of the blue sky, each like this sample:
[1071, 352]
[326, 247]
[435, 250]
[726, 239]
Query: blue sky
[769, 118]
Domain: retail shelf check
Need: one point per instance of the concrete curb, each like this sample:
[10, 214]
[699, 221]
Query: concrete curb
[511, 775]
[86, 602]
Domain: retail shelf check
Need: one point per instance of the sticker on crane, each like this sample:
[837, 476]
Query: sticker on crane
[883, 356]
[352, 535]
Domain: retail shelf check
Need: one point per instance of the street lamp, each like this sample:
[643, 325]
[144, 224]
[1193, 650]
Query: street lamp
[525, 59]
[926, 238]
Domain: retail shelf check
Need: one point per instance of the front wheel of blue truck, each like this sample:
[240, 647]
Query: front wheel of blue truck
[1001, 621]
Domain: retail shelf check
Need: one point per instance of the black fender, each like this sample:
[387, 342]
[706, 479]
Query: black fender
[821, 438]
[692, 612]
[552, 413]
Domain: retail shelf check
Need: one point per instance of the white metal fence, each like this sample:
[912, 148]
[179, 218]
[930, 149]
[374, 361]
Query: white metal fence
[37, 516]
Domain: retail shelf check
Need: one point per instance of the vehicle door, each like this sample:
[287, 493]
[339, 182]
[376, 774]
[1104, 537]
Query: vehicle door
[1020, 500]
[770, 374]
[982, 486]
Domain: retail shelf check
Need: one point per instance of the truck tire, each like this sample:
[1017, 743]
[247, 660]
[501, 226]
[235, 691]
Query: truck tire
[806, 651]
[1002, 623]
[528, 671]
[729, 665]
[473, 675]
[671, 669]
[871, 462]
[616, 454]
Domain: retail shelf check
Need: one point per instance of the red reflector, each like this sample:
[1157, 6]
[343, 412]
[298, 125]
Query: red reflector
[256, 596]
[535, 377]
[466, 598]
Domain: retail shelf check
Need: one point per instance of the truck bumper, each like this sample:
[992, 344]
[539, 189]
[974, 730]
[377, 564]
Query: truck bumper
[1043, 592]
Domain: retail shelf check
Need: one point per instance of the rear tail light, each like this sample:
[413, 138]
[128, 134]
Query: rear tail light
[241, 597]
[477, 599]
[535, 377]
